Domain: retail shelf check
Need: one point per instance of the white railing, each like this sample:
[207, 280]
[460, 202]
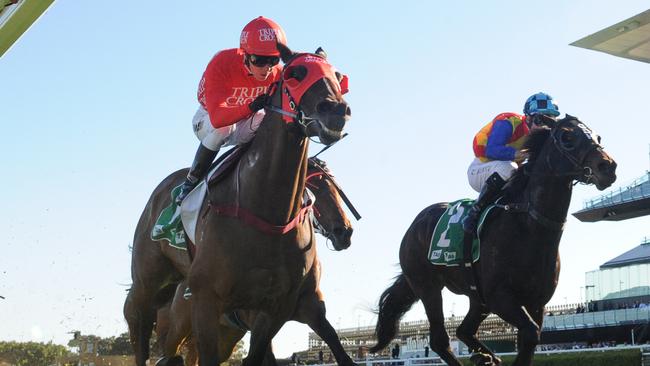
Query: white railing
[639, 188]
[436, 361]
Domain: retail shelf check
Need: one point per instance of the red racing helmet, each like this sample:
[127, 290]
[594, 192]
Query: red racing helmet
[259, 37]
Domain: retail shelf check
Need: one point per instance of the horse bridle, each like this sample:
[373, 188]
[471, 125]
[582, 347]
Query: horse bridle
[320, 166]
[319, 228]
[298, 117]
[579, 171]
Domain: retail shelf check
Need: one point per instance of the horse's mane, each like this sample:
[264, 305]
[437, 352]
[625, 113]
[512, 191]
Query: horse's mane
[317, 163]
[532, 148]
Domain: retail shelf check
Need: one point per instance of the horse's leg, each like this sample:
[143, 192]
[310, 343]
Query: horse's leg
[439, 339]
[264, 329]
[311, 311]
[504, 305]
[466, 332]
[206, 311]
[269, 357]
[192, 357]
[179, 327]
[140, 314]
[228, 338]
[537, 313]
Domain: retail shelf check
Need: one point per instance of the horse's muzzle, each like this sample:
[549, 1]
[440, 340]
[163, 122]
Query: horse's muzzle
[341, 237]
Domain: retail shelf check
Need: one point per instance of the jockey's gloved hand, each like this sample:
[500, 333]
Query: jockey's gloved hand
[260, 102]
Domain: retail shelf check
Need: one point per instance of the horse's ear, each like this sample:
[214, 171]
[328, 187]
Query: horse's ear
[321, 52]
[285, 52]
[297, 72]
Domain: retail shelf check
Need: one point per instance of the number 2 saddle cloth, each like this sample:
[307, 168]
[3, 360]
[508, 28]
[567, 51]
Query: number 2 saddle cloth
[447, 240]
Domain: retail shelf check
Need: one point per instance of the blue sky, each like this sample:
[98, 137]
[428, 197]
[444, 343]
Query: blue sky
[96, 107]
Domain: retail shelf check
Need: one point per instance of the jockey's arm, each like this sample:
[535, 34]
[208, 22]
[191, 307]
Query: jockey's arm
[497, 148]
[217, 91]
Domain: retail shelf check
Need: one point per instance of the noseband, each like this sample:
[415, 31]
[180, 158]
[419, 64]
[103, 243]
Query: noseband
[292, 92]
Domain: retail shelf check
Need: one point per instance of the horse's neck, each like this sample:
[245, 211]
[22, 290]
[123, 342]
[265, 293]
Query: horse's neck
[550, 196]
[272, 174]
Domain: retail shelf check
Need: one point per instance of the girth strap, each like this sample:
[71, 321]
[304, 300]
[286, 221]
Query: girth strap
[534, 214]
[469, 270]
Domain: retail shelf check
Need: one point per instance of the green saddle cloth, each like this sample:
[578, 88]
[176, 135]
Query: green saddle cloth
[447, 240]
[169, 225]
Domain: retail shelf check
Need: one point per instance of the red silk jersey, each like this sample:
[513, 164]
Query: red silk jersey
[227, 88]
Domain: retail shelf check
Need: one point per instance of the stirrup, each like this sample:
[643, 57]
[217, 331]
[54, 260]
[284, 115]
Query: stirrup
[470, 223]
[186, 188]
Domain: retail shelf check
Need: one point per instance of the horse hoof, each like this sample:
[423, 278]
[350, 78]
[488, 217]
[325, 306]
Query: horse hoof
[496, 360]
[482, 359]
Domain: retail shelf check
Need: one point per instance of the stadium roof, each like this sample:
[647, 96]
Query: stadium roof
[640, 254]
[16, 16]
[629, 39]
[619, 204]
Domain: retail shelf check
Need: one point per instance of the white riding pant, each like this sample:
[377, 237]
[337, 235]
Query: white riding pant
[235, 134]
[478, 171]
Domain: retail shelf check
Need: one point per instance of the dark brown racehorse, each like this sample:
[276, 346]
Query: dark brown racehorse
[241, 263]
[173, 324]
[519, 260]
[159, 267]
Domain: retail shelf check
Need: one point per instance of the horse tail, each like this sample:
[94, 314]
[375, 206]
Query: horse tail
[393, 304]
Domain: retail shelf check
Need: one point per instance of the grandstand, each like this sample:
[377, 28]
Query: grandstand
[618, 204]
[413, 336]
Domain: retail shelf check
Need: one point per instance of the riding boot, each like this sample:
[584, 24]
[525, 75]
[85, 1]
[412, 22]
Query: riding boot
[200, 166]
[489, 193]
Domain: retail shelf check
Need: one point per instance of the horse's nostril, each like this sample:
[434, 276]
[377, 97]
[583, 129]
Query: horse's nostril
[341, 109]
[348, 232]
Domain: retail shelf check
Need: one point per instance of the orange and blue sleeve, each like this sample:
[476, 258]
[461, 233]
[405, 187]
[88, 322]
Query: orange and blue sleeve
[497, 145]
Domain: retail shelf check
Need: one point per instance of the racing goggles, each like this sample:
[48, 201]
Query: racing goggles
[261, 61]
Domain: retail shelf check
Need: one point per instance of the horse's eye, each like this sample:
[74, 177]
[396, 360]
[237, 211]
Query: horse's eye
[567, 140]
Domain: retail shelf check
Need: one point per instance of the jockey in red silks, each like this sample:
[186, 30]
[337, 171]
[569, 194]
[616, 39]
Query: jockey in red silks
[232, 94]
[496, 150]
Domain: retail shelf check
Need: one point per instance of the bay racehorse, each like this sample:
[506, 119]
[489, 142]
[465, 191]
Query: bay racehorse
[519, 260]
[173, 323]
[255, 250]
[157, 267]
